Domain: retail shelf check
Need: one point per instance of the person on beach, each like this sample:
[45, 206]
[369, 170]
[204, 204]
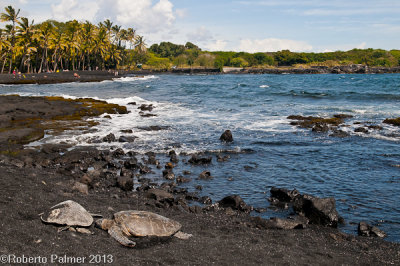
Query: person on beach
[14, 72]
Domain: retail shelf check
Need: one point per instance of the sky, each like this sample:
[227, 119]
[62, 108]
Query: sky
[234, 25]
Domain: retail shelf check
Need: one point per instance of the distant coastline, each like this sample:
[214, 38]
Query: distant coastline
[98, 76]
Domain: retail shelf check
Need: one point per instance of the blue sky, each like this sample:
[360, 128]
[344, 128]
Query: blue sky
[253, 26]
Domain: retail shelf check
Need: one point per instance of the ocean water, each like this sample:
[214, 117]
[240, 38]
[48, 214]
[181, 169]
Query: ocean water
[362, 172]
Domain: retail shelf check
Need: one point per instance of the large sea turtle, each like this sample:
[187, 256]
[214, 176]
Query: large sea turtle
[67, 213]
[140, 223]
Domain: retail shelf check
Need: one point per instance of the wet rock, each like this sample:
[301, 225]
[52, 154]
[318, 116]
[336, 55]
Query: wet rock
[180, 190]
[200, 160]
[311, 121]
[109, 138]
[129, 139]
[186, 172]
[339, 134]
[173, 157]
[260, 210]
[144, 170]
[321, 211]
[154, 128]
[181, 179]
[205, 175]
[159, 195]
[118, 152]
[132, 103]
[365, 229]
[146, 107]
[127, 131]
[152, 158]
[107, 116]
[113, 165]
[221, 158]
[361, 130]
[283, 194]
[392, 121]
[125, 183]
[226, 136]
[375, 127]
[168, 174]
[126, 172]
[192, 196]
[343, 116]
[132, 163]
[205, 200]
[323, 128]
[199, 187]
[142, 114]
[235, 202]
[82, 188]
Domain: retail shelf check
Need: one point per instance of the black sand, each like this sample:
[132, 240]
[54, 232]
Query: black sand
[31, 181]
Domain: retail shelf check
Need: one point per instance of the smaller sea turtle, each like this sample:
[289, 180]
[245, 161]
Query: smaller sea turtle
[140, 223]
[68, 213]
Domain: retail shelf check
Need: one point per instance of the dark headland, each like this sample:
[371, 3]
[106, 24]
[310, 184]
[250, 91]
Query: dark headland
[97, 76]
[33, 180]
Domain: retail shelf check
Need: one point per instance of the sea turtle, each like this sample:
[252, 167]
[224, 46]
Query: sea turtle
[140, 223]
[68, 213]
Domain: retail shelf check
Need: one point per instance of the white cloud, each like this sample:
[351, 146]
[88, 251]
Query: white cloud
[74, 9]
[343, 47]
[200, 35]
[273, 45]
[218, 45]
[181, 12]
[145, 15]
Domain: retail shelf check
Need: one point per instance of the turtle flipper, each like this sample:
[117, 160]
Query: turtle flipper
[117, 234]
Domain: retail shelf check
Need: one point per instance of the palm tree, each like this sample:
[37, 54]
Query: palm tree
[26, 42]
[44, 34]
[131, 37]
[140, 45]
[58, 45]
[87, 34]
[116, 30]
[12, 16]
[72, 41]
[100, 44]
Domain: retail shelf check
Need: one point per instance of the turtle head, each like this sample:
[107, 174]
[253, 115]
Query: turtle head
[104, 224]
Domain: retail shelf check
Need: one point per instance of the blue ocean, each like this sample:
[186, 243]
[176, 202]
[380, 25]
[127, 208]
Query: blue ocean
[361, 171]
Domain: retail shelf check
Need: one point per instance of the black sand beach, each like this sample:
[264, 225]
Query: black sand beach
[33, 180]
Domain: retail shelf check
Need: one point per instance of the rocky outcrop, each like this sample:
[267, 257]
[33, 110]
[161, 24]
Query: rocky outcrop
[109, 138]
[283, 194]
[365, 229]
[235, 202]
[321, 211]
[200, 160]
[226, 136]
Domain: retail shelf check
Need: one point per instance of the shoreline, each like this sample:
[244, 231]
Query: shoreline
[98, 76]
[32, 180]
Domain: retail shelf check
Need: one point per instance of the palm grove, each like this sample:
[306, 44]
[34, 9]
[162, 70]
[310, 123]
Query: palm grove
[73, 45]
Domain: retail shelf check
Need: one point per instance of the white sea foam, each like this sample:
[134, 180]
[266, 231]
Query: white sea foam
[264, 86]
[135, 78]
[270, 124]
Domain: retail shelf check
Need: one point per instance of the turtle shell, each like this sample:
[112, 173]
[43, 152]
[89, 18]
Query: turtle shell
[68, 213]
[143, 223]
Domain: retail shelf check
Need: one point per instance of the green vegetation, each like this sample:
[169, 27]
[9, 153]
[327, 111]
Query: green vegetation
[190, 55]
[73, 45]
